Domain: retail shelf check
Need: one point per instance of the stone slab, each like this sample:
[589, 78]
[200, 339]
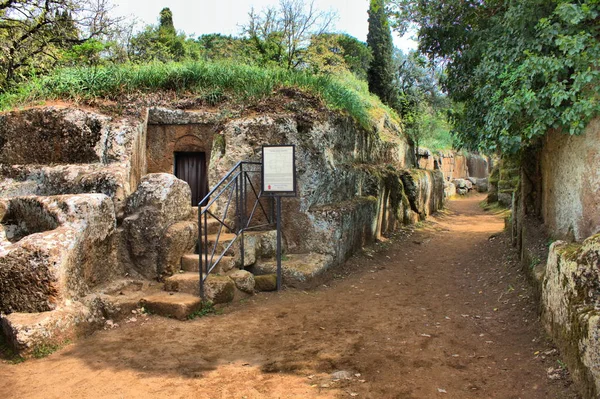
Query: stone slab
[187, 283]
[170, 304]
[295, 267]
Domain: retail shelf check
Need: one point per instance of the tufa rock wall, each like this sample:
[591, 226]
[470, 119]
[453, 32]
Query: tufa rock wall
[570, 183]
[56, 150]
[557, 197]
[453, 164]
[339, 206]
[571, 308]
[88, 216]
[154, 232]
[477, 165]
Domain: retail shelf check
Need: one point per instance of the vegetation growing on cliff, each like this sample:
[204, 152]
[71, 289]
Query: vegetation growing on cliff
[286, 46]
[215, 81]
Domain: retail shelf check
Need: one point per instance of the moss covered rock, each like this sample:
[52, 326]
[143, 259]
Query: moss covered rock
[267, 282]
[219, 289]
[571, 308]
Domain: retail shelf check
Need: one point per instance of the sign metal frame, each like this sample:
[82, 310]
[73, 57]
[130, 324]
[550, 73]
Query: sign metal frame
[279, 193]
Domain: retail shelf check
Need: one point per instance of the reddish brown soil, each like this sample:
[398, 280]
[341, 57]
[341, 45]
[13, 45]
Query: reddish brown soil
[443, 313]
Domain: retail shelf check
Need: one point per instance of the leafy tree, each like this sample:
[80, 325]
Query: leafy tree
[215, 46]
[379, 39]
[87, 53]
[34, 33]
[165, 24]
[325, 54]
[421, 103]
[357, 55]
[162, 42]
[282, 34]
[519, 67]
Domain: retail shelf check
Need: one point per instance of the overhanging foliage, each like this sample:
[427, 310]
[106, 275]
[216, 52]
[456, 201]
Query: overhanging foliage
[518, 67]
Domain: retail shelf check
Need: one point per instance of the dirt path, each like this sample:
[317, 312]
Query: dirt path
[443, 313]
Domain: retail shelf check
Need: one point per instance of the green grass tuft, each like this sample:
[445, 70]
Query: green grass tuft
[44, 350]
[212, 81]
[206, 309]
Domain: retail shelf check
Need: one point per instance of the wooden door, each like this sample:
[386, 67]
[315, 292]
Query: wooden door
[191, 168]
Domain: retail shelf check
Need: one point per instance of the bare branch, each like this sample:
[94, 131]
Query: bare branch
[288, 27]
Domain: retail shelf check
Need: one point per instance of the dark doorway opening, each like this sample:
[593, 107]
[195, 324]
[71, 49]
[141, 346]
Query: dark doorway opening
[191, 168]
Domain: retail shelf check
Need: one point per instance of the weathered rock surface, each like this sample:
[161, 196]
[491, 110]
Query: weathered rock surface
[188, 283]
[84, 152]
[571, 308]
[460, 183]
[28, 331]
[425, 191]
[341, 203]
[219, 289]
[53, 249]
[505, 199]
[452, 164]
[570, 182]
[179, 239]
[449, 189]
[243, 280]
[168, 304]
[70, 136]
[493, 185]
[266, 282]
[482, 185]
[160, 201]
[257, 245]
[477, 166]
[295, 267]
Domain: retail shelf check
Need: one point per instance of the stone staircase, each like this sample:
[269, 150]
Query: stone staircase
[227, 282]
[178, 296]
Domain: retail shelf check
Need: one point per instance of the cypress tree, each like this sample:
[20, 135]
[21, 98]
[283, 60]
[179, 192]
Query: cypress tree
[379, 39]
[166, 21]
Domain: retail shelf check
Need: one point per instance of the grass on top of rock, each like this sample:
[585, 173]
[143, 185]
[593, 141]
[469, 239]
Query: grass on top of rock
[211, 81]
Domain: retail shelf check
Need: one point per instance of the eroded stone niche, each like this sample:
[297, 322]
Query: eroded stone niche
[23, 218]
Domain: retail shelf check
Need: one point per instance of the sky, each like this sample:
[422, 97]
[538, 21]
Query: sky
[226, 16]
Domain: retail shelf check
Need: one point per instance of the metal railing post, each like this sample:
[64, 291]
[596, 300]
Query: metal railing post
[279, 243]
[200, 264]
[242, 214]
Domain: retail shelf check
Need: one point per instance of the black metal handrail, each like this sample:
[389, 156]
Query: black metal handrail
[237, 183]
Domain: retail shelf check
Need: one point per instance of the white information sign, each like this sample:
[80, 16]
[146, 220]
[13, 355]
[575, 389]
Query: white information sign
[279, 175]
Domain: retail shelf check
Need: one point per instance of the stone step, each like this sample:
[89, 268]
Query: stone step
[212, 224]
[294, 267]
[218, 289]
[224, 240]
[172, 304]
[190, 263]
[187, 282]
